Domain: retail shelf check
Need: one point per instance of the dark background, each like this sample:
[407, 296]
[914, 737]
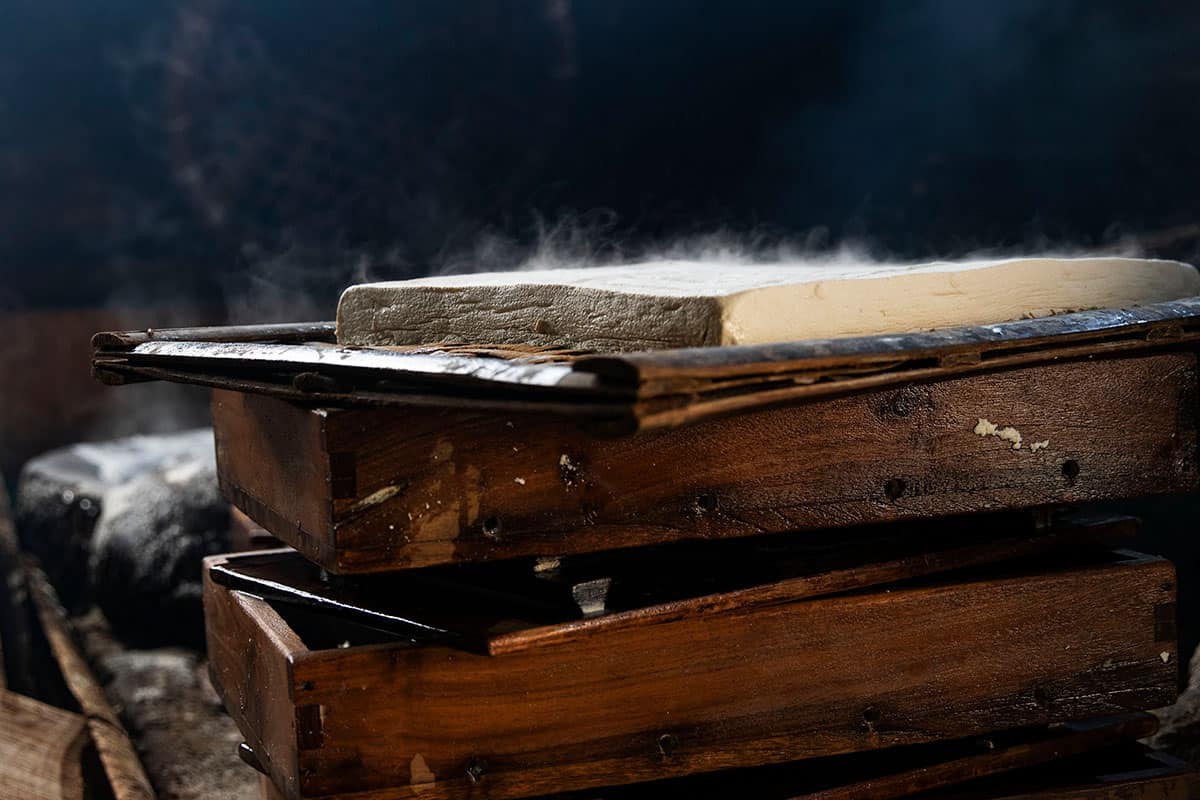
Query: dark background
[253, 157]
[204, 161]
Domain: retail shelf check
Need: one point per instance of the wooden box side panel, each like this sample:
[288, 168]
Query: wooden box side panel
[797, 681]
[272, 464]
[447, 486]
[250, 651]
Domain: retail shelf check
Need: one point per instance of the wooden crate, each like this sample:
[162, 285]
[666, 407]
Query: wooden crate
[330, 708]
[363, 490]
[1126, 771]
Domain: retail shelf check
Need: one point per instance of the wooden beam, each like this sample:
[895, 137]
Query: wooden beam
[41, 750]
[117, 753]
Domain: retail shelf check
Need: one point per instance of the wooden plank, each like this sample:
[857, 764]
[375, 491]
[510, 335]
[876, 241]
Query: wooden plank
[271, 332]
[628, 392]
[117, 754]
[250, 651]
[851, 673]
[363, 490]
[1157, 321]
[281, 479]
[998, 758]
[41, 750]
[513, 606]
[1131, 772]
[1125, 771]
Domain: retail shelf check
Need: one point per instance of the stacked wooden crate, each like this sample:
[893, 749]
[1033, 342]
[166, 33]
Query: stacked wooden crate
[867, 594]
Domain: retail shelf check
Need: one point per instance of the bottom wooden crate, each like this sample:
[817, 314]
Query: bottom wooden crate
[331, 708]
[1126, 771]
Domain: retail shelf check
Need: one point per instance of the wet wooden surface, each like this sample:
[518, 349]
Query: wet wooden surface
[362, 490]
[331, 708]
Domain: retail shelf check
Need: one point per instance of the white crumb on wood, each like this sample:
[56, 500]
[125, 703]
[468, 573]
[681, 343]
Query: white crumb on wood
[1010, 434]
[985, 428]
[1165, 656]
[519, 481]
[546, 564]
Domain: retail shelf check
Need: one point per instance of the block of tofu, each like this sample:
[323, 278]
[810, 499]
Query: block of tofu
[670, 304]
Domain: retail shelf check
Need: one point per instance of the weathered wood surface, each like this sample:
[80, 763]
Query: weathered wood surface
[267, 333]
[1095, 759]
[249, 646]
[41, 750]
[518, 605]
[1127, 771]
[117, 755]
[361, 490]
[630, 391]
[1058, 755]
[996, 757]
[919, 663]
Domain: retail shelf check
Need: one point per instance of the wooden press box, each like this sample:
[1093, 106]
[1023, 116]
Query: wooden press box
[526, 707]
[1122, 771]
[363, 490]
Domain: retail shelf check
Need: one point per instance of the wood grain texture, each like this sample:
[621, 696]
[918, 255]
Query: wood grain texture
[510, 606]
[41, 750]
[1131, 772]
[119, 758]
[371, 490]
[1124, 771]
[995, 759]
[250, 651]
[821, 677]
[629, 392]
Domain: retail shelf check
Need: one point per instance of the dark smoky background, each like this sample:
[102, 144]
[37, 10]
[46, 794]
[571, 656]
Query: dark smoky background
[253, 158]
[203, 161]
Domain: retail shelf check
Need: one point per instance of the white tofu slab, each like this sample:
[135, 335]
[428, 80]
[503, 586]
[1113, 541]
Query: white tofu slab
[687, 304]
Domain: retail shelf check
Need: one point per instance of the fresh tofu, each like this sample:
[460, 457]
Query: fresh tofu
[668, 304]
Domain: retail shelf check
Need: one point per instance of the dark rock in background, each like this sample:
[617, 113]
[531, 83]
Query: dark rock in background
[152, 534]
[125, 524]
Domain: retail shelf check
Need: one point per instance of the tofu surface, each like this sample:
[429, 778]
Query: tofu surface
[668, 304]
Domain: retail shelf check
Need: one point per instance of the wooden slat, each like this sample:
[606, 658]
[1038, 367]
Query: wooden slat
[1129, 773]
[117, 754]
[1091, 760]
[507, 608]
[627, 392]
[871, 572]
[250, 651]
[370, 490]
[1079, 738]
[826, 676]
[41, 750]
[969, 343]
[277, 333]
[1122, 771]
